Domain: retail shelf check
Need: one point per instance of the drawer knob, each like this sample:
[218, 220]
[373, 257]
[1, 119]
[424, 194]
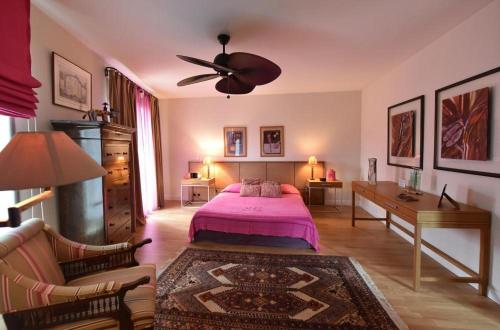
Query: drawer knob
[109, 154]
[111, 224]
[127, 227]
[126, 213]
[110, 207]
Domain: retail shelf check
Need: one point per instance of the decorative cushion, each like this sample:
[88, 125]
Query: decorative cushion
[270, 189]
[289, 189]
[251, 181]
[233, 188]
[250, 190]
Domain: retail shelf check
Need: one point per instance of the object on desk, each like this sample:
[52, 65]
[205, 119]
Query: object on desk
[194, 175]
[372, 171]
[330, 175]
[402, 183]
[322, 179]
[415, 178]
[406, 198]
[207, 161]
[456, 206]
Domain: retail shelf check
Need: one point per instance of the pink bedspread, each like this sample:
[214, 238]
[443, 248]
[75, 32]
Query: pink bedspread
[229, 213]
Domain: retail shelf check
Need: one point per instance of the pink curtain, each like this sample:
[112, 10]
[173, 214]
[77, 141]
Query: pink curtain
[146, 152]
[17, 98]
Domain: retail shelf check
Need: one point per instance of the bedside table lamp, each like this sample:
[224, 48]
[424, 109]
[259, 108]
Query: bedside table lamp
[312, 162]
[207, 161]
[42, 160]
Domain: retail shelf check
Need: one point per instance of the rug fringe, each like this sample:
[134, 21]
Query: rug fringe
[380, 296]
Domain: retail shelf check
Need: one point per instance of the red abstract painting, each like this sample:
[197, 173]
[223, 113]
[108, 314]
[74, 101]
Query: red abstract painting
[402, 134]
[464, 126]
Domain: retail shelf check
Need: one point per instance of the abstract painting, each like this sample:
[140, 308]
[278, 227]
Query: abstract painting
[403, 134]
[464, 126]
[235, 141]
[72, 86]
[272, 141]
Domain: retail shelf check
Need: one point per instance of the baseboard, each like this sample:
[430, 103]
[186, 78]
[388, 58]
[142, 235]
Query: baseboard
[376, 211]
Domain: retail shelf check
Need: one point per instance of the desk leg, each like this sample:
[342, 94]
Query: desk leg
[387, 219]
[417, 257]
[353, 203]
[484, 260]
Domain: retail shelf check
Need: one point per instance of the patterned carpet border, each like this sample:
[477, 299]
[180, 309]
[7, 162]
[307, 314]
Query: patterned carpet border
[184, 318]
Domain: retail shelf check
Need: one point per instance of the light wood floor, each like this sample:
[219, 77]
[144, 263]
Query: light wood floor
[385, 256]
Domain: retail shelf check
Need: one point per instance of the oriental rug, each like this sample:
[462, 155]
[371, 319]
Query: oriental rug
[209, 289]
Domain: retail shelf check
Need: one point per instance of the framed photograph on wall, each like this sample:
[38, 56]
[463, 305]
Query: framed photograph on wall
[405, 133]
[467, 125]
[272, 141]
[235, 141]
[71, 85]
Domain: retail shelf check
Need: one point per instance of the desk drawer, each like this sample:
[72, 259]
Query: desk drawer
[395, 208]
[363, 192]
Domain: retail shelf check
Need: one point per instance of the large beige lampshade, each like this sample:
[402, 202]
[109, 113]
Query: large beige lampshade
[44, 159]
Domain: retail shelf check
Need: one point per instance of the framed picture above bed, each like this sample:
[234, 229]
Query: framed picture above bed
[405, 133]
[235, 141]
[467, 125]
[71, 85]
[272, 141]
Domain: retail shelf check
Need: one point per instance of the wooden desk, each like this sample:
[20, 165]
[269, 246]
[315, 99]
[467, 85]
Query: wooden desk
[424, 213]
[196, 183]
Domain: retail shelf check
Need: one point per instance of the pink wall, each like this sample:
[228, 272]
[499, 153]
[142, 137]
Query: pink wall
[470, 48]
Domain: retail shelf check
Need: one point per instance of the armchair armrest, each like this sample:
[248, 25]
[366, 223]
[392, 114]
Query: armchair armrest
[83, 266]
[102, 305]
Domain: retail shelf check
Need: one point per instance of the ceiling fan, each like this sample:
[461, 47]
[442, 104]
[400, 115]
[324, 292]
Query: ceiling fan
[240, 72]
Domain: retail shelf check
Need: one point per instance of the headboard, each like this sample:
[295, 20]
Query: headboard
[227, 172]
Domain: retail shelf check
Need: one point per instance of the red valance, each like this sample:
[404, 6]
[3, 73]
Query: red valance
[17, 98]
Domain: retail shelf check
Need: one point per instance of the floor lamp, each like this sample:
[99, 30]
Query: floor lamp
[42, 160]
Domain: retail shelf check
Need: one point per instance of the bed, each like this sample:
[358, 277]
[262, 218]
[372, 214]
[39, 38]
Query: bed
[229, 218]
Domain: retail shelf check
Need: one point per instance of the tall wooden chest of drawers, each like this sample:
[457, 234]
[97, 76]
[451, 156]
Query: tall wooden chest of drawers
[99, 211]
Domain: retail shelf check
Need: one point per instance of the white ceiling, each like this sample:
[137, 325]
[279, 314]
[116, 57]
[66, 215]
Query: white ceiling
[320, 45]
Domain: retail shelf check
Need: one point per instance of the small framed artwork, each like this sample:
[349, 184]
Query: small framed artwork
[235, 141]
[467, 125]
[71, 85]
[272, 141]
[405, 133]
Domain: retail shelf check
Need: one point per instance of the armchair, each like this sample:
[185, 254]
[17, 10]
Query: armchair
[48, 281]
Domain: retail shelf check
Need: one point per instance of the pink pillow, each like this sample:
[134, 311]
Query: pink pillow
[289, 189]
[270, 189]
[233, 188]
[250, 181]
[250, 190]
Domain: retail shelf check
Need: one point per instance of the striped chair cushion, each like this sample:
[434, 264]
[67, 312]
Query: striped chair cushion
[66, 250]
[27, 250]
[18, 291]
[141, 301]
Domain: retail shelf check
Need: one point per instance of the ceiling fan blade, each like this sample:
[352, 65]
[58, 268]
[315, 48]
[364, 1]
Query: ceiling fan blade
[197, 79]
[253, 69]
[231, 85]
[207, 64]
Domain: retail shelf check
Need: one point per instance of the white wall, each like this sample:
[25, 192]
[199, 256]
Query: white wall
[48, 36]
[326, 125]
[470, 48]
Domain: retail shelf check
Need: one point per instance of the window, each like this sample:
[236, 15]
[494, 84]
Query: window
[7, 198]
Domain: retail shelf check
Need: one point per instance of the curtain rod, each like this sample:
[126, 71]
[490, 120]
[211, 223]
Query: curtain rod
[109, 68]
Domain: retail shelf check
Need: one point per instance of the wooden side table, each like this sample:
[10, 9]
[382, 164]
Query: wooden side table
[196, 183]
[325, 185]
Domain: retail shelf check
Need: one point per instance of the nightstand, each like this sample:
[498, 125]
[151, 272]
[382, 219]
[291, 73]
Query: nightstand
[325, 185]
[209, 184]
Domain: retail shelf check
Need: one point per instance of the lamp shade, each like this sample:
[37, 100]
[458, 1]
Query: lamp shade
[44, 159]
[207, 160]
[313, 161]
